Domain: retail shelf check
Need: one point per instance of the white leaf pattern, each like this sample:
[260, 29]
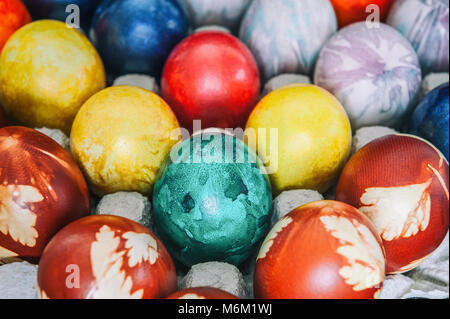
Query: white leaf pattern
[365, 259]
[268, 242]
[15, 217]
[398, 211]
[142, 247]
[107, 263]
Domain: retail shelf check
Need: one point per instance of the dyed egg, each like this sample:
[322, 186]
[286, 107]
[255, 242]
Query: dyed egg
[322, 250]
[351, 11]
[401, 183]
[285, 36]
[41, 191]
[430, 119]
[212, 201]
[202, 293]
[120, 138]
[105, 257]
[60, 10]
[224, 13]
[425, 25]
[374, 72]
[136, 36]
[303, 135]
[47, 71]
[13, 15]
[211, 76]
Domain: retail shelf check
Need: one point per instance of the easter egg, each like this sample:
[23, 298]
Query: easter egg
[374, 72]
[321, 250]
[64, 10]
[41, 191]
[136, 36]
[120, 137]
[105, 257]
[303, 135]
[351, 11]
[211, 76]
[202, 293]
[212, 201]
[224, 13]
[286, 36]
[425, 25]
[401, 183]
[430, 118]
[47, 71]
[13, 15]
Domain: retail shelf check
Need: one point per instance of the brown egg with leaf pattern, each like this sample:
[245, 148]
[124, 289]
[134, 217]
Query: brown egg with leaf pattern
[105, 257]
[400, 182]
[321, 250]
[41, 191]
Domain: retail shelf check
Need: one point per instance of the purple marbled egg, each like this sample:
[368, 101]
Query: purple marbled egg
[285, 36]
[374, 72]
[425, 24]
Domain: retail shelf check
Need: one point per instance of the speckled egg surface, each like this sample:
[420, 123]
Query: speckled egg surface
[212, 201]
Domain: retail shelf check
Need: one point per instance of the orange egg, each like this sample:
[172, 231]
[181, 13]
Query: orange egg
[41, 191]
[350, 11]
[321, 250]
[401, 183]
[13, 15]
[105, 257]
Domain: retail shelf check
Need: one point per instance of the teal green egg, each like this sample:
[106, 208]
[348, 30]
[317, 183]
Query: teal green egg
[212, 200]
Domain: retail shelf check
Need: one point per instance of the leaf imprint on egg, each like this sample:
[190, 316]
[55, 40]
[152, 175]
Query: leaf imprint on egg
[365, 260]
[268, 242]
[16, 219]
[398, 211]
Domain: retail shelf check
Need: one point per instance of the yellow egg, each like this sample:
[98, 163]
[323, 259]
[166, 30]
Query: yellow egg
[121, 136]
[303, 135]
[47, 71]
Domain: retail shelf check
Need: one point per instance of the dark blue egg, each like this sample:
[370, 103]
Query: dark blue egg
[136, 36]
[430, 119]
[56, 9]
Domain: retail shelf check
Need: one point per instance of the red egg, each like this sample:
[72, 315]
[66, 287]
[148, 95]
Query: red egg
[211, 76]
[401, 183]
[13, 15]
[105, 257]
[202, 293]
[41, 191]
[321, 250]
[350, 11]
